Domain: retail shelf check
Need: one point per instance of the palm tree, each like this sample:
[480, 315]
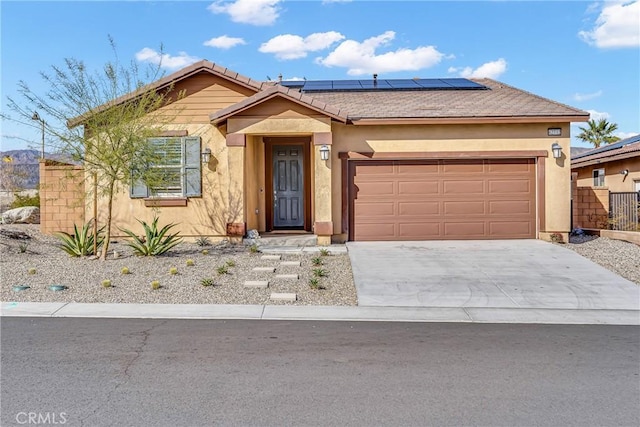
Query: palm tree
[598, 132]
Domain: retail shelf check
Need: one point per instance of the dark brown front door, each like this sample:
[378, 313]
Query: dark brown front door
[288, 186]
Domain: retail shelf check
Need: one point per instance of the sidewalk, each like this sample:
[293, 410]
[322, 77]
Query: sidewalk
[281, 312]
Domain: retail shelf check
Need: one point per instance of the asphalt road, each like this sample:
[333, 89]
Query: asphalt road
[121, 372]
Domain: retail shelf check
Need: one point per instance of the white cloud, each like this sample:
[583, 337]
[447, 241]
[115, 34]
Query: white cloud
[587, 96]
[616, 27]
[289, 46]
[294, 79]
[597, 115]
[165, 60]
[254, 12]
[491, 70]
[224, 42]
[625, 135]
[361, 58]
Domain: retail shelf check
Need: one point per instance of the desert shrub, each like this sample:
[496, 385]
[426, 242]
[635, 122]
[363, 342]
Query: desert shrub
[20, 201]
[80, 243]
[155, 241]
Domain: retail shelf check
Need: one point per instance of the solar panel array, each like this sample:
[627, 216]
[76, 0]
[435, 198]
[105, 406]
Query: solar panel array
[383, 84]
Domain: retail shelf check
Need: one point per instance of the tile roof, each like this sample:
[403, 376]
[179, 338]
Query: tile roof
[629, 147]
[200, 66]
[283, 92]
[500, 101]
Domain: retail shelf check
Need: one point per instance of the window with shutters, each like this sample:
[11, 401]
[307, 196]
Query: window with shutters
[175, 171]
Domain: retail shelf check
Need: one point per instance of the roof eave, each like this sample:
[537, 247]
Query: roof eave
[218, 120]
[589, 162]
[165, 82]
[467, 120]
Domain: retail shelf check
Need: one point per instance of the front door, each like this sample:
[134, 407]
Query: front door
[288, 186]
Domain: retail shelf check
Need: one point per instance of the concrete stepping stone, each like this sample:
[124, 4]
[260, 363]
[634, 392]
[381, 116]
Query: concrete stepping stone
[287, 276]
[272, 257]
[283, 297]
[256, 284]
[290, 263]
[265, 269]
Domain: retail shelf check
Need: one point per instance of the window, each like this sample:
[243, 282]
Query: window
[598, 177]
[175, 172]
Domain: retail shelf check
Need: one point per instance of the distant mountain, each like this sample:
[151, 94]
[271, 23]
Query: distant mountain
[19, 169]
[579, 150]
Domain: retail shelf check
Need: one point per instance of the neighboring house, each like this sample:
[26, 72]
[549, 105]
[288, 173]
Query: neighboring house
[405, 159]
[605, 179]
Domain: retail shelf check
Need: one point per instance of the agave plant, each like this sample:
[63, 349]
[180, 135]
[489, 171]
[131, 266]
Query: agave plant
[80, 243]
[154, 242]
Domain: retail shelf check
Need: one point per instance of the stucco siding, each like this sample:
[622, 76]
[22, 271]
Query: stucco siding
[613, 180]
[461, 138]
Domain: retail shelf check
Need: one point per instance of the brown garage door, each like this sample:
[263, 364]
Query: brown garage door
[442, 199]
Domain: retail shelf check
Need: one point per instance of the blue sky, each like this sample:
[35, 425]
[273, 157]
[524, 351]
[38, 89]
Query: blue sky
[585, 54]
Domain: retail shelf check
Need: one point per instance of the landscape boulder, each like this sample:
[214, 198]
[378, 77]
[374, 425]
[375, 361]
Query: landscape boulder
[24, 215]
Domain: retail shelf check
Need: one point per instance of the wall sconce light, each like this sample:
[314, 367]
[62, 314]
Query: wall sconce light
[206, 155]
[324, 152]
[624, 172]
[557, 150]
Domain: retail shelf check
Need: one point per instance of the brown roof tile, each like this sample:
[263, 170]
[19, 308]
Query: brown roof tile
[500, 100]
[603, 154]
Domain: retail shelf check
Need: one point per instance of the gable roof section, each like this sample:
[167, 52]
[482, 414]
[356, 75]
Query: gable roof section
[201, 66]
[624, 149]
[292, 95]
[501, 103]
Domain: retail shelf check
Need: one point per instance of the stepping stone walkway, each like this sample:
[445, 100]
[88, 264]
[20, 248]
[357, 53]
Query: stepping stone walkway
[290, 263]
[262, 284]
[256, 284]
[265, 269]
[283, 297]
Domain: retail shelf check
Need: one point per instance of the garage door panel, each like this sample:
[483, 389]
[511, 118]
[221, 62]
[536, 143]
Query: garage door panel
[385, 168]
[376, 231]
[418, 230]
[368, 210]
[375, 189]
[464, 230]
[464, 208]
[512, 186]
[463, 187]
[418, 168]
[462, 166]
[510, 229]
[418, 208]
[444, 199]
[509, 166]
[511, 207]
[417, 187]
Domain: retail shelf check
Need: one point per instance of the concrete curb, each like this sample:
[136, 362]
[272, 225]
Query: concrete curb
[330, 313]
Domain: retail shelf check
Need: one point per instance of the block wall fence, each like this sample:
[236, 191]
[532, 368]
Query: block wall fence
[61, 196]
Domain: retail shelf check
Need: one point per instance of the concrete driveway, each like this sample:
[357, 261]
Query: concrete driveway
[502, 273]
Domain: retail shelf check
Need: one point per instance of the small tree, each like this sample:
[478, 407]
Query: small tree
[598, 132]
[103, 119]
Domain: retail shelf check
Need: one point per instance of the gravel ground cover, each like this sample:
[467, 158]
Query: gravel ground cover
[83, 276]
[623, 258]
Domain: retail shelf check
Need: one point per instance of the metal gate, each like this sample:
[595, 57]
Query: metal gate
[623, 211]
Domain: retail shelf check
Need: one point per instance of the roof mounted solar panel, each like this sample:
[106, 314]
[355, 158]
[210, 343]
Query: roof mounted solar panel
[460, 83]
[384, 84]
[403, 84]
[375, 84]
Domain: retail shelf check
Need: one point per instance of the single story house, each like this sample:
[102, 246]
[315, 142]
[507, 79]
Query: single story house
[604, 182]
[615, 166]
[369, 159]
